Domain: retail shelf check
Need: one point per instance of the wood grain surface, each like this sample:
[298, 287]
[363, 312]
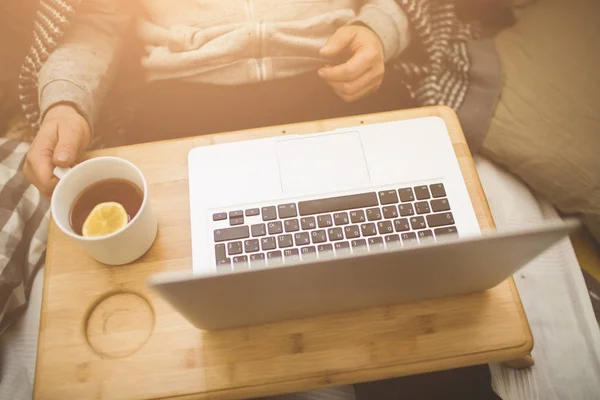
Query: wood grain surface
[105, 335]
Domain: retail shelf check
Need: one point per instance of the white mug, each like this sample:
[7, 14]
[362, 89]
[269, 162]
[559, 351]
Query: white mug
[120, 247]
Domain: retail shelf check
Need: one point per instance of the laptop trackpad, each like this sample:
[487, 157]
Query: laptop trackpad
[322, 162]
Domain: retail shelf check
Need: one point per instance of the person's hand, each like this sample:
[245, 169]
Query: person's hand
[60, 142]
[363, 72]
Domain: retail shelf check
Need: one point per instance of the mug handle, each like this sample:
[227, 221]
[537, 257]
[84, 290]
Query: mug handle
[60, 172]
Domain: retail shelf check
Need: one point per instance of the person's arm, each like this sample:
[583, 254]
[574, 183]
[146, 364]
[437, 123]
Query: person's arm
[379, 33]
[79, 72]
[387, 19]
[72, 85]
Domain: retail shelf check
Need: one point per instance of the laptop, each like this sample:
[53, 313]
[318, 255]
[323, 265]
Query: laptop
[300, 225]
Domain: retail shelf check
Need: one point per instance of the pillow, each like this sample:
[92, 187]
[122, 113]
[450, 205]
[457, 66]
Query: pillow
[546, 128]
[24, 220]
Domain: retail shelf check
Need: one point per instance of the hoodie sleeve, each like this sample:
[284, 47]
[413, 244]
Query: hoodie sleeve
[83, 66]
[387, 19]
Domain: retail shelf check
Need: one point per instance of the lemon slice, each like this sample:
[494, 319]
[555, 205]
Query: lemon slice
[105, 219]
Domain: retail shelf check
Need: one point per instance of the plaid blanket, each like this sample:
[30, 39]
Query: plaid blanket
[24, 217]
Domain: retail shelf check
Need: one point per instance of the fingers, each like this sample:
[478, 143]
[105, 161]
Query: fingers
[364, 91]
[372, 78]
[73, 137]
[61, 140]
[363, 73]
[336, 44]
[46, 188]
[358, 65]
[350, 98]
[38, 166]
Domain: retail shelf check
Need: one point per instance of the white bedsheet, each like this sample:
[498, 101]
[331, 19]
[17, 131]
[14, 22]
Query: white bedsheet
[566, 335]
[567, 339]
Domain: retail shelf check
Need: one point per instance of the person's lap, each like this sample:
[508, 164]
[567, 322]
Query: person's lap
[179, 109]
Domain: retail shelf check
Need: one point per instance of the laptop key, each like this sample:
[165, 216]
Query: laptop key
[251, 246]
[325, 248]
[308, 223]
[225, 234]
[219, 216]
[340, 203]
[234, 248]
[236, 214]
[388, 197]
[368, 229]
[269, 213]
[390, 212]
[374, 214]
[272, 255]
[406, 194]
[358, 243]
[224, 265]
[357, 216]
[342, 247]
[406, 210]
[395, 238]
[422, 192]
[252, 212]
[352, 231]
[319, 236]
[422, 207]
[409, 237]
[236, 221]
[401, 225]
[275, 227]
[285, 241]
[426, 236]
[375, 242]
[220, 252]
[268, 243]
[335, 234]
[302, 238]
[438, 190]
[449, 231]
[308, 252]
[291, 254]
[257, 259]
[438, 205]
[291, 225]
[435, 220]
[287, 210]
[240, 260]
[324, 221]
[385, 227]
[341, 218]
[418, 223]
[258, 230]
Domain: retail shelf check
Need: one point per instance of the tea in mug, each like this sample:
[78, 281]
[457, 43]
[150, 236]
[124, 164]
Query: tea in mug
[120, 191]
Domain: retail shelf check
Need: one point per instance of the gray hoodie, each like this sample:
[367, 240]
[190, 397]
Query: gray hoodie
[224, 42]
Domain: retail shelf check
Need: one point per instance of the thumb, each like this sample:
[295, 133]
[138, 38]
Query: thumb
[338, 42]
[72, 140]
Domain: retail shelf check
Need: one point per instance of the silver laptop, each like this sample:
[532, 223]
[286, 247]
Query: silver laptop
[295, 226]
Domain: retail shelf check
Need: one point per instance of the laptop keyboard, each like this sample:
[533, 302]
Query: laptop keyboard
[344, 224]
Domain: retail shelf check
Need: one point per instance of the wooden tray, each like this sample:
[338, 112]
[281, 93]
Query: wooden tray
[105, 335]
